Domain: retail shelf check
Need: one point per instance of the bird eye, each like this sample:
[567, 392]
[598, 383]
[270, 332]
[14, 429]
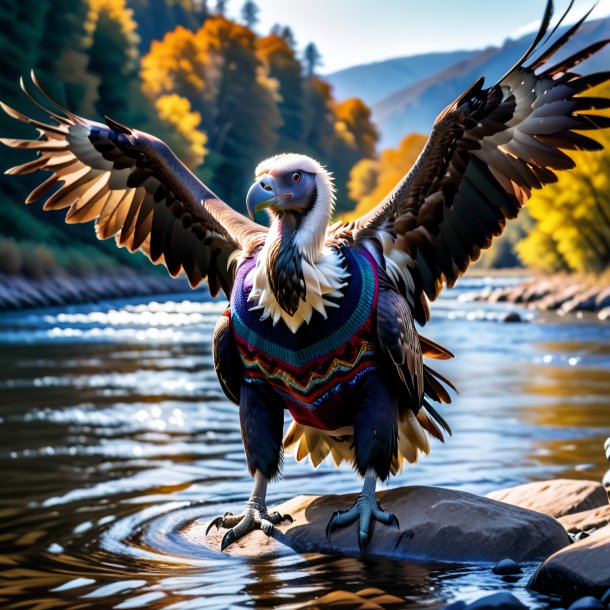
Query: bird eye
[296, 177]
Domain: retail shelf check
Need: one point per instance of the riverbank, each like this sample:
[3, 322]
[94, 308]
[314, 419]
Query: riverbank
[21, 292]
[564, 294]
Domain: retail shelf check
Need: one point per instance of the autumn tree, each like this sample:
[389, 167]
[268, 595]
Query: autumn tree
[113, 56]
[218, 70]
[355, 139]
[282, 65]
[572, 217]
[372, 179]
[155, 18]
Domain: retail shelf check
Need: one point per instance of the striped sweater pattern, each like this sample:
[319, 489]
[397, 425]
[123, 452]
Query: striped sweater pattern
[316, 368]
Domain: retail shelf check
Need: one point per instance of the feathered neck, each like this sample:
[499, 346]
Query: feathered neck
[294, 259]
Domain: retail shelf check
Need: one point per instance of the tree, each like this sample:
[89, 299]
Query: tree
[371, 180]
[221, 7]
[249, 13]
[282, 65]
[313, 59]
[155, 18]
[285, 33]
[113, 56]
[355, 138]
[218, 70]
[176, 111]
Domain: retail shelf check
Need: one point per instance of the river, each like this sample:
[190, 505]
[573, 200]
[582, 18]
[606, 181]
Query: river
[115, 436]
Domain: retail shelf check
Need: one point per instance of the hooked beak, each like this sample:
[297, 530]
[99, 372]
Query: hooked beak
[262, 195]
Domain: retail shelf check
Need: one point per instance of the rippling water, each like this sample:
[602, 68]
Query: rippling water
[114, 437]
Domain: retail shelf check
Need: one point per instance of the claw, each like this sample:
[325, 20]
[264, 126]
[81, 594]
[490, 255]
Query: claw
[217, 522]
[330, 527]
[363, 540]
[227, 539]
[254, 517]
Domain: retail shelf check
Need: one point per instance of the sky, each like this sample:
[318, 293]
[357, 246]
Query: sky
[351, 32]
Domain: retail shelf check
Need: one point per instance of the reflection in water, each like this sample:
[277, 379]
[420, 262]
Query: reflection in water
[115, 438]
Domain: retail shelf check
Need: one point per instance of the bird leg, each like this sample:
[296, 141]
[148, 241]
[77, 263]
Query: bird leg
[366, 509]
[254, 516]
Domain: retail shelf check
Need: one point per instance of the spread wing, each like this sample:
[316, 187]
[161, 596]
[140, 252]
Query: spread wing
[137, 191]
[486, 153]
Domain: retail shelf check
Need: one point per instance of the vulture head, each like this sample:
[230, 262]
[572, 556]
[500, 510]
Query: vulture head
[295, 273]
[299, 195]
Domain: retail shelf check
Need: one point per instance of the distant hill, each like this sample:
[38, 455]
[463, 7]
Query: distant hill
[373, 82]
[413, 107]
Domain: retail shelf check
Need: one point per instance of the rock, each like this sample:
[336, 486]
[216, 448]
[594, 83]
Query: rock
[506, 566]
[455, 606]
[497, 601]
[586, 603]
[366, 598]
[435, 524]
[593, 518]
[580, 569]
[555, 498]
[512, 316]
[603, 298]
[583, 301]
[604, 313]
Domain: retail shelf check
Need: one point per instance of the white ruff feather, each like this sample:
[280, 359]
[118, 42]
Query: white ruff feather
[323, 268]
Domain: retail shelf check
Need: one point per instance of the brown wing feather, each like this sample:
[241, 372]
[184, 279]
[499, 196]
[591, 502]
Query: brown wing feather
[486, 153]
[136, 190]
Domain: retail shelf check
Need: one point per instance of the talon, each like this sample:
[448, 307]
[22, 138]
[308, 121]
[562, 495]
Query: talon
[287, 518]
[216, 522]
[228, 538]
[267, 527]
[330, 526]
[363, 540]
[395, 521]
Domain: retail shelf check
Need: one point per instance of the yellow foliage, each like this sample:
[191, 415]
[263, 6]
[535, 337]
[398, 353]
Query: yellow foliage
[572, 229]
[353, 125]
[176, 63]
[371, 180]
[176, 111]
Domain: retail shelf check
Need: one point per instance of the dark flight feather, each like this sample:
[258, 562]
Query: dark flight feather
[135, 189]
[486, 153]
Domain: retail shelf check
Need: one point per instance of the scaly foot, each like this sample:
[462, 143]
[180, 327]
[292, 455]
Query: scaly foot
[254, 517]
[368, 510]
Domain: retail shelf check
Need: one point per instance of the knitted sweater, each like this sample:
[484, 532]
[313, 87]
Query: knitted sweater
[315, 369]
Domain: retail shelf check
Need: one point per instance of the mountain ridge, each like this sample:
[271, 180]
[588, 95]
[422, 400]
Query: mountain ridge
[413, 107]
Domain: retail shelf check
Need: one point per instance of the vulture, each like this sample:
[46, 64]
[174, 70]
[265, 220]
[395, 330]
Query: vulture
[321, 314]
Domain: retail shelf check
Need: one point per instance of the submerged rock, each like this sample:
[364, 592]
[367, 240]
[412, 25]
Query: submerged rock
[586, 603]
[580, 569]
[435, 524]
[497, 601]
[555, 498]
[506, 567]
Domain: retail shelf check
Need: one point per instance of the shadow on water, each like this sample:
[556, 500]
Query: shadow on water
[115, 437]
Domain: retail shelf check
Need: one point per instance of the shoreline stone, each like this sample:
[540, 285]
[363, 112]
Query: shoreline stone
[18, 292]
[436, 524]
[556, 498]
[562, 293]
